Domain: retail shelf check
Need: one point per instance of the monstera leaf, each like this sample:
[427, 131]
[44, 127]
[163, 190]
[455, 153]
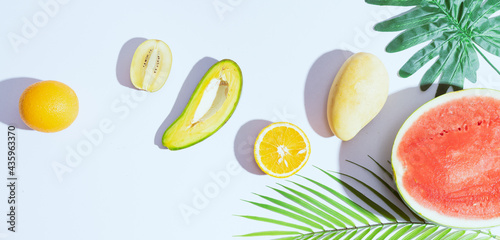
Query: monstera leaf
[456, 29]
[314, 210]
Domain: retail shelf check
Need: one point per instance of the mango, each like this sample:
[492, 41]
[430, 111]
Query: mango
[358, 93]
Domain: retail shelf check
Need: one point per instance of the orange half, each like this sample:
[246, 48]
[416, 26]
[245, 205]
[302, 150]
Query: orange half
[281, 149]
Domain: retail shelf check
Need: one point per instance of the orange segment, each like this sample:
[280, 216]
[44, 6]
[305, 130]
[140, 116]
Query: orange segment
[281, 149]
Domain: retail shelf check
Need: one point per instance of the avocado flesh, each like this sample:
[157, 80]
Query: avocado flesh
[211, 105]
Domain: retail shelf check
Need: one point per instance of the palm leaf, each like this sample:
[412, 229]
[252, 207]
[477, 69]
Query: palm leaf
[455, 30]
[344, 209]
[363, 198]
[374, 232]
[415, 232]
[282, 223]
[323, 213]
[342, 220]
[429, 231]
[349, 202]
[388, 202]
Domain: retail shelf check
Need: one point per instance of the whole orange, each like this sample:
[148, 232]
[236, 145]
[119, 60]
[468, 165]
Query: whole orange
[48, 106]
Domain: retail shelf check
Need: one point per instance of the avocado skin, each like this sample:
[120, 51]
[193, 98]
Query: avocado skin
[168, 143]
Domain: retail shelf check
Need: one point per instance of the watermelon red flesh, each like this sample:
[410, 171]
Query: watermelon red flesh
[452, 158]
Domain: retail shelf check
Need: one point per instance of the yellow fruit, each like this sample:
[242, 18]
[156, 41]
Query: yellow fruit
[151, 65]
[281, 149]
[48, 106]
[358, 93]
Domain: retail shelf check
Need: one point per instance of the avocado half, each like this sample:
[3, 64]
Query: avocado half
[211, 105]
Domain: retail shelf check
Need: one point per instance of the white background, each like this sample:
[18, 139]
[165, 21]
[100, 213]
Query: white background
[126, 187]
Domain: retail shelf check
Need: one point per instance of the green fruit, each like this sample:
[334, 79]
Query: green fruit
[211, 105]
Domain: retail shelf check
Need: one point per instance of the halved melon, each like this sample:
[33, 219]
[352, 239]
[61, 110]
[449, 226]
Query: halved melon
[446, 159]
[211, 105]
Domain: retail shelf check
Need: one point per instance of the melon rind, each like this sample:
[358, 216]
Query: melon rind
[429, 214]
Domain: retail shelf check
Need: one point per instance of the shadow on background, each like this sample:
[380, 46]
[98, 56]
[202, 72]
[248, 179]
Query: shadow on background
[318, 84]
[244, 143]
[194, 76]
[124, 61]
[10, 91]
[376, 138]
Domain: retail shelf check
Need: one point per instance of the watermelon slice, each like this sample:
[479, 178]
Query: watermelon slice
[446, 159]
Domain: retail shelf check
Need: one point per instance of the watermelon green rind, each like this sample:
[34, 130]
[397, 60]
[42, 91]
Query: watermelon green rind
[426, 213]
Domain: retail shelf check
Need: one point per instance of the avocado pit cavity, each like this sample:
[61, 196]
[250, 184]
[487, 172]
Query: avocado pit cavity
[213, 98]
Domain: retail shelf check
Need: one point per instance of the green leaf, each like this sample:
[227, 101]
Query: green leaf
[453, 72]
[336, 215]
[488, 28]
[282, 223]
[313, 210]
[414, 232]
[387, 232]
[414, 18]
[339, 236]
[330, 235]
[489, 37]
[484, 238]
[287, 238]
[423, 56]
[395, 2]
[270, 233]
[446, 25]
[471, 6]
[396, 194]
[417, 35]
[352, 234]
[313, 235]
[320, 215]
[374, 232]
[363, 234]
[427, 233]
[288, 214]
[455, 8]
[339, 206]
[349, 202]
[318, 236]
[365, 199]
[454, 235]
[469, 236]
[401, 232]
[297, 210]
[391, 205]
[438, 67]
[389, 174]
[471, 63]
[486, 10]
[442, 234]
